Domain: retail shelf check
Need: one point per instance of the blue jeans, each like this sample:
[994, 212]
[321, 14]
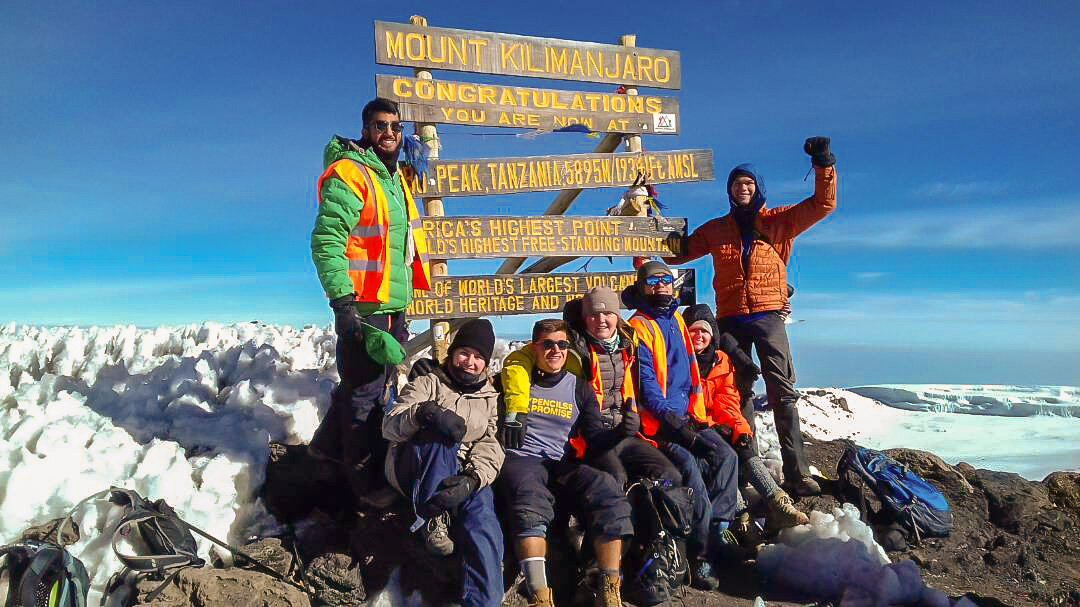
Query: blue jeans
[478, 539]
[715, 491]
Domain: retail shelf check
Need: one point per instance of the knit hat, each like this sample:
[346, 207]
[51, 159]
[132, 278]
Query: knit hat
[649, 268]
[477, 334]
[600, 299]
[700, 315]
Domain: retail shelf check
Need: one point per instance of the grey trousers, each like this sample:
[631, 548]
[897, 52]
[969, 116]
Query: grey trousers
[768, 336]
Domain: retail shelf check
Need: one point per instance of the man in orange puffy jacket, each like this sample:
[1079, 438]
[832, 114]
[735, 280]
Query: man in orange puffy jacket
[750, 248]
[718, 356]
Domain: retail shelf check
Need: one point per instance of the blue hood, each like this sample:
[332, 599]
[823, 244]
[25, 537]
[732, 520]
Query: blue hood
[758, 201]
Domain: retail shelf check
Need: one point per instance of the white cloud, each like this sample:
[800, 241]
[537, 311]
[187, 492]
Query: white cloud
[869, 275]
[1034, 320]
[1022, 225]
[955, 190]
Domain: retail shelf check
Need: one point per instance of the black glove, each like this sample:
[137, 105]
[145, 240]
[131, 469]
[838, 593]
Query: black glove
[679, 429]
[818, 149]
[743, 441]
[452, 491]
[423, 367]
[440, 420]
[512, 432]
[347, 320]
[631, 421]
[707, 451]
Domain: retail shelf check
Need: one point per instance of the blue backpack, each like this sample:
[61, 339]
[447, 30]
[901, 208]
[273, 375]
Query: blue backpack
[906, 498]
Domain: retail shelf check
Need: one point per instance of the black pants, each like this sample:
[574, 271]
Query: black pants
[768, 336]
[351, 432]
[531, 486]
[633, 458]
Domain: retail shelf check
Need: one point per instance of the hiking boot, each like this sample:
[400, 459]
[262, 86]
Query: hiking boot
[608, 595]
[783, 513]
[542, 598]
[804, 487]
[724, 546]
[702, 576]
[436, 533]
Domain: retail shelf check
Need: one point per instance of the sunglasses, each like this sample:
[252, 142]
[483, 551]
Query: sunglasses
[659, 279]
[383, 126]
[551, 344]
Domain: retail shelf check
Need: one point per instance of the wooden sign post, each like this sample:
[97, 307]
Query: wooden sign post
[427, 101]
[475, 296]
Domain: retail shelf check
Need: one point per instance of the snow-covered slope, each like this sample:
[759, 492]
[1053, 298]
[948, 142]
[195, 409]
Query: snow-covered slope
[186, 413]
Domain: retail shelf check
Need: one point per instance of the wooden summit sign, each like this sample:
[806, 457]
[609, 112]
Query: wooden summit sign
[507, 54]
[444, 102]
[553, 236]
[471, 296]
[486, 176]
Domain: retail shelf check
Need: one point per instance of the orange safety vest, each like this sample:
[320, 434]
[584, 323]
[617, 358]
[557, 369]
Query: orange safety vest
[368, 247]
[578, 442]
[649, 334]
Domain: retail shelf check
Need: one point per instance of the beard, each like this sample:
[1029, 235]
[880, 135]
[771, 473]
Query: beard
[660, 301]
[390, 159]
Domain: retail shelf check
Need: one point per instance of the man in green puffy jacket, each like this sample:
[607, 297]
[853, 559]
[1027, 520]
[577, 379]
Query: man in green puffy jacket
[365, 257]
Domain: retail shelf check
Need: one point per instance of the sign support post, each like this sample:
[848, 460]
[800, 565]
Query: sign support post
[633, 142]
[433, 207]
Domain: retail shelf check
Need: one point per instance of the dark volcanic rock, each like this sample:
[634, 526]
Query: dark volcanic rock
[297, 483]
[335, 579]
[1064, 490]
[1012, 541]
[207, 587]
[1014, 502]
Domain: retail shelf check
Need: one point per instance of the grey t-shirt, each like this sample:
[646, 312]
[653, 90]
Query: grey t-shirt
[552, 413]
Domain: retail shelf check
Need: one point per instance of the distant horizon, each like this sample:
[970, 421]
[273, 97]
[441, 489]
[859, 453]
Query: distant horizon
[844, 365]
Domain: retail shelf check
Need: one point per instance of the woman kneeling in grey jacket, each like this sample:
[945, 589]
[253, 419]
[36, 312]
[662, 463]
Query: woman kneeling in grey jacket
[444, 456]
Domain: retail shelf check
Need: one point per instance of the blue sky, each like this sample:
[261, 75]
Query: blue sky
[158, 161]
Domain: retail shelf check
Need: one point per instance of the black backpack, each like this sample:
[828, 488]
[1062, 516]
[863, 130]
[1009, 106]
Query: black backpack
[907, 500]
[41, 574]
[655, 565]
[170, 544]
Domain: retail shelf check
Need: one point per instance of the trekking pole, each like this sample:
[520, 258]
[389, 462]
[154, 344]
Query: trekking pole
[238, 552]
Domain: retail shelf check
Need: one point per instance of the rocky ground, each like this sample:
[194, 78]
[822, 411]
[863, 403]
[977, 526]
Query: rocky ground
[1015, 542]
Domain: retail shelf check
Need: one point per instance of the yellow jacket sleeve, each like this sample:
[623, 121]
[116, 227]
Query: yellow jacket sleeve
[516, 377]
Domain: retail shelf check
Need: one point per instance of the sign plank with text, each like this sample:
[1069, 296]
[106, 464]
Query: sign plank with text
[487, 176]
[512, 55]
[445, 102]
[553, 235]
[472, 296]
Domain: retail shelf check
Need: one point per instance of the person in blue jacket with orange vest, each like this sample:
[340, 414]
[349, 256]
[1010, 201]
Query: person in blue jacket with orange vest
[370, 252]
[673, 412]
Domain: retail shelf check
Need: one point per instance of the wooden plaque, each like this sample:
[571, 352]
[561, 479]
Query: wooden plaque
[445, 102]
[487, 176]
[476, 296]
[553, 236]
[460, 50]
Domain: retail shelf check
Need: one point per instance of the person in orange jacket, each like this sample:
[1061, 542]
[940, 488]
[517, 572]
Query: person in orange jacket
[750, 247]
[716, 359]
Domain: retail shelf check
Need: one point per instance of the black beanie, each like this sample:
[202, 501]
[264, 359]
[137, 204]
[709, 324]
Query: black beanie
[477, 334]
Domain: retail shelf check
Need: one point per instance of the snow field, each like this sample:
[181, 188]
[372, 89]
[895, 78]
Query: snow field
[186, 414]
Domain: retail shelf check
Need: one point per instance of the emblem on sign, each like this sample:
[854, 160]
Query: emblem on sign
[664, 123]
